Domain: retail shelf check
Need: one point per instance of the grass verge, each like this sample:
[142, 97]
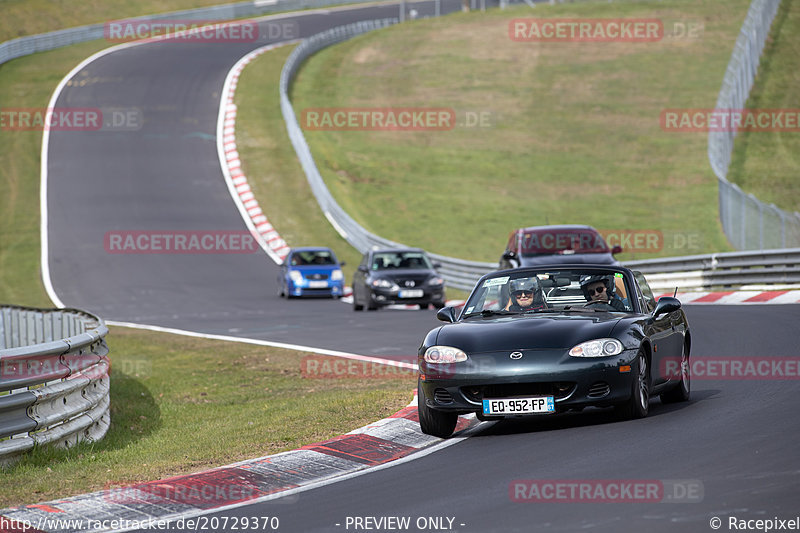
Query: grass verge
[766, 164]
[28, 17]
[574, 133]
[236, 401]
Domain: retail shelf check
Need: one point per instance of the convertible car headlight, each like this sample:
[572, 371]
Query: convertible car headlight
[383, 283]
[336, 275]
[444, 354]
[296, 276]
[597, 348]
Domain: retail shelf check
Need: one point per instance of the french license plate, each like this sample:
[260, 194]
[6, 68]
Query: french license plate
[519, 406]
[412, 293]
[317, 284]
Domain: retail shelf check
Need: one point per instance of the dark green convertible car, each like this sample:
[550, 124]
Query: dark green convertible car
[539, 341]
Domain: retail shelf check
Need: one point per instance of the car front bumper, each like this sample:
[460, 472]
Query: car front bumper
[574, 382]
[334, 288]
[380, 296]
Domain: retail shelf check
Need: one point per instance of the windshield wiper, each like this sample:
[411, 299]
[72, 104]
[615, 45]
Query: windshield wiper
[543, 310]
[491, 312]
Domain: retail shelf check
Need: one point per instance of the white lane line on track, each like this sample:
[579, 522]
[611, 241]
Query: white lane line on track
[261, 342]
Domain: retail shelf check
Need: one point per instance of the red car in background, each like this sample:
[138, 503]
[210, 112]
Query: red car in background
[547, 245]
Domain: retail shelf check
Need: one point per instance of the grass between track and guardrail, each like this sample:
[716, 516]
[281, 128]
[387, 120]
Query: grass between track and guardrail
[767, 163]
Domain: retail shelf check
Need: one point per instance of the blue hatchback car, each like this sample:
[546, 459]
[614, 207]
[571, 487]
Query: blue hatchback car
[311, 272]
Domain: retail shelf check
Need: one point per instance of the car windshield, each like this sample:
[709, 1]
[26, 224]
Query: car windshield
[400, 260]
[313, 257]
[551, 290]
[561, 241]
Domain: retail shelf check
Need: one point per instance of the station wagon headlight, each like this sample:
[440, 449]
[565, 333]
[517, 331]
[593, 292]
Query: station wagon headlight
[383, 283]
[444, 354]
[336, 275]
[296, 276]
[597, 348]
[435, 281]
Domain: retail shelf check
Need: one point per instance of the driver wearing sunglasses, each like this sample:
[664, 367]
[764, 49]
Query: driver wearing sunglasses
[526, 295]
[599, 289]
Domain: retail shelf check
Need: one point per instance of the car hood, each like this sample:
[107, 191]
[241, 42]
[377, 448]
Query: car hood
[526, 332]
[563, 259]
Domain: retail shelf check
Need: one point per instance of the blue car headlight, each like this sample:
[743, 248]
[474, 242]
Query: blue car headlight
[337, 275]
[597, 348]
[296, 276]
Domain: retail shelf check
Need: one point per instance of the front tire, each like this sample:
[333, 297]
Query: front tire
[639, 403]
[431, 421]
[371, 305]
[682, 392]
[356, 306]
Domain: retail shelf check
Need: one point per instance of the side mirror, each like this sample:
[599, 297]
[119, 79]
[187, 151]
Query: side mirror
[342, 263]
[509, 255]
[617, 249]
[437, 265]
[363, 268]
[666, 304]
[446, 314]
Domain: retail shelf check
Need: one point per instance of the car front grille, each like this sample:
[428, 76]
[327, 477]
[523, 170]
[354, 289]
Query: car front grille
[442, 396]
[317, 277]
[557, 389]
[599, 389]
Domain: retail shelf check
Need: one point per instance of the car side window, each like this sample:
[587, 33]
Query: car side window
[649, 299]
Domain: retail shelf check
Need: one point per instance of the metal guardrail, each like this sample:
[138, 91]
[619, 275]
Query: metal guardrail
[724, 270]
[747, 222]
[54, 379]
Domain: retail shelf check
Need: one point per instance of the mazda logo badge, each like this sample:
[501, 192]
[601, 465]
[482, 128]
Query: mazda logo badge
[516, 355]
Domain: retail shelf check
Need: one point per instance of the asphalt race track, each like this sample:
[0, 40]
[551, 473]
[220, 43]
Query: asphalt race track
[733, 448]
[734, 445]
[166, 177]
